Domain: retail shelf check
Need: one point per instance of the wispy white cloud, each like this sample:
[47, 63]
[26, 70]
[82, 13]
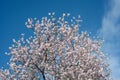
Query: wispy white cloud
[110, 31]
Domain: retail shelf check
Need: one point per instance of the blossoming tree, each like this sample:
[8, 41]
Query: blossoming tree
[56, 51]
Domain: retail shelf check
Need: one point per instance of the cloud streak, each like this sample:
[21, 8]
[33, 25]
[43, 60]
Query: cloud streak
[110, 31]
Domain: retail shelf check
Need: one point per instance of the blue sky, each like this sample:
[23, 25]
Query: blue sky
[100, 17]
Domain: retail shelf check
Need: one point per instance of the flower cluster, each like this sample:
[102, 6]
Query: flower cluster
[56, 51]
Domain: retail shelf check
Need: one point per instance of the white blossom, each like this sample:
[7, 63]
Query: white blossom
[56, 51]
